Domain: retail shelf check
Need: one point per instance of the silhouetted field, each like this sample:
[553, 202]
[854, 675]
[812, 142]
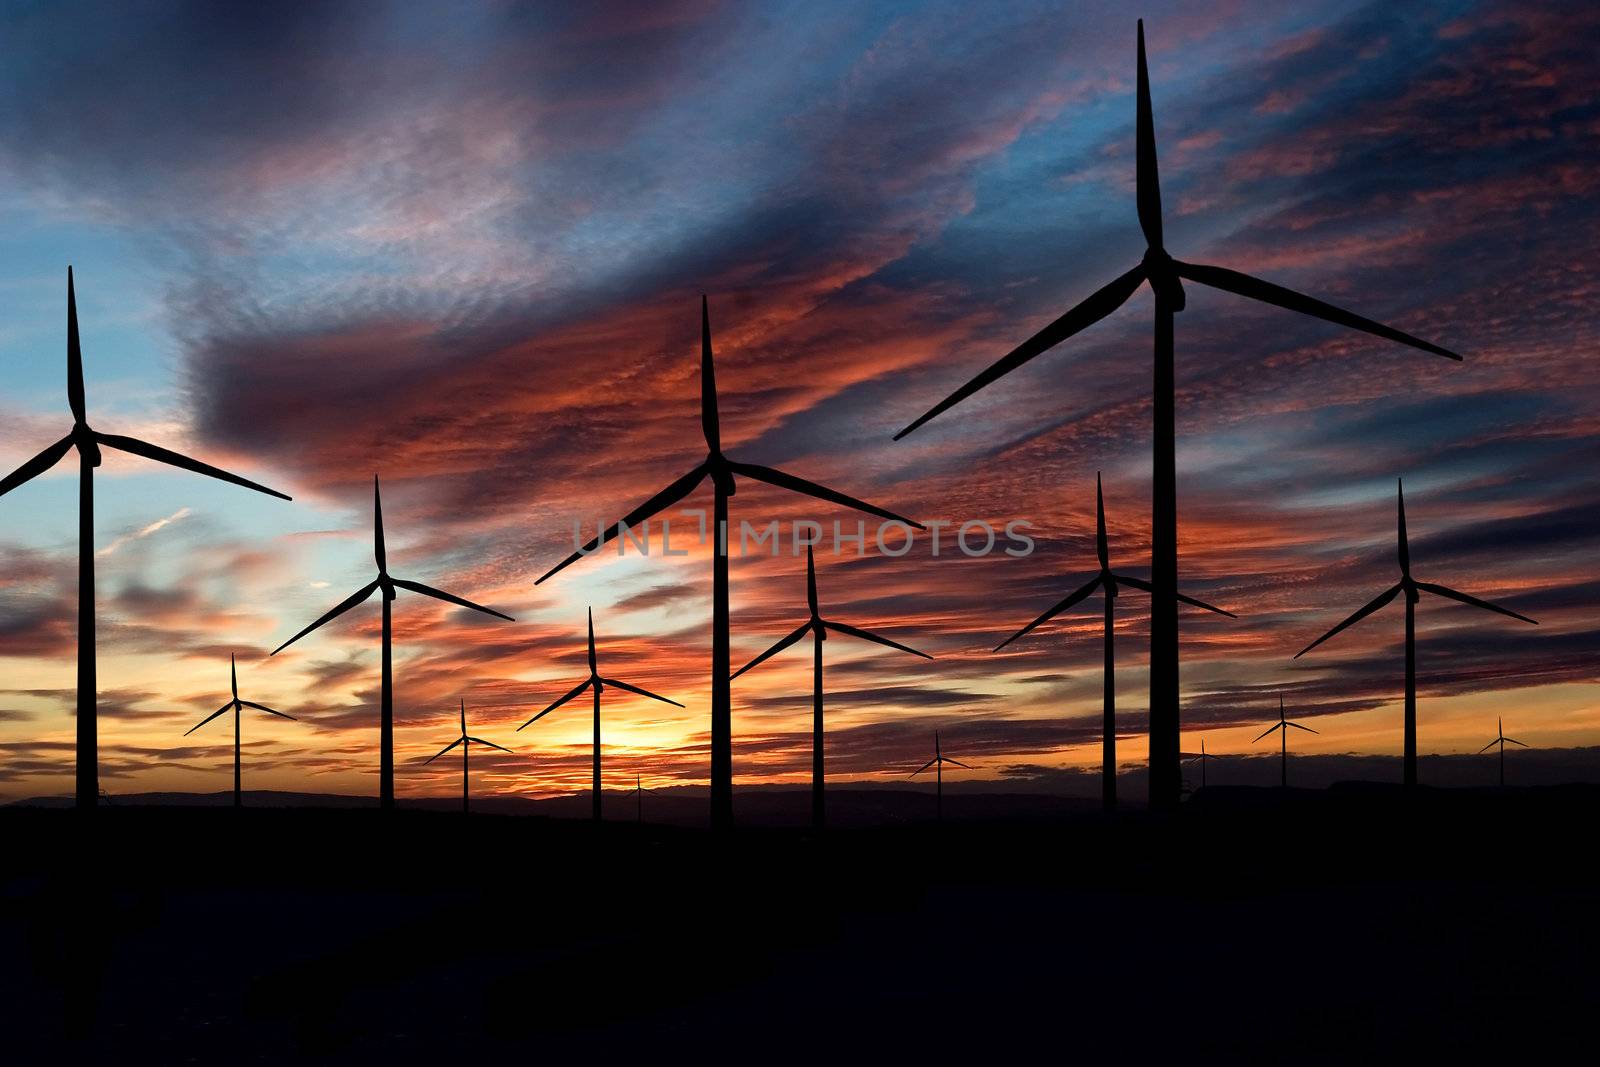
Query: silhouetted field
[1252, 924]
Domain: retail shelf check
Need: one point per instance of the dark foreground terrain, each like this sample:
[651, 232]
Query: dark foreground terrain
[1251, 926]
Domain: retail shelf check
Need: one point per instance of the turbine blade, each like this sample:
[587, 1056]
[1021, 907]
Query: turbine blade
[1444, 591]
[1487, 747]
[957, 762]
[339, 609]
[233, 675]
[662, 500]
[37, 465]
[1149, 181]
[1297, 726]
[709, 424]
[1377, 602]
[640, 691]
[380, 554]
[1099, 304]
[75, 397]
[593, 661]
[1078, 595]
[868, 635]
[134, 446]
[269, 711]
[1514, 741]
[443, 750]
[811, 579]
[924, 767]
[1232, 281]
[1101, 548]
[1405, 541]
[783, 643]
[208, 718]
[490, 744]
[1267, 731]
[773, 476]
[576, 690]
[449, 598]
[1140, 583]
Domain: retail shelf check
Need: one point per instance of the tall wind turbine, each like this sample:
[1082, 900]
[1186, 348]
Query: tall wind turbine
[818, 628]
[937, 763]
[1502, 741]
[1284, 724]
[238, 706]
[722, 471]
[388, 585]
[88, 442]
[1413, 590]
[466, 742]
[1166, 276]
[1108, 583]
[598, 684]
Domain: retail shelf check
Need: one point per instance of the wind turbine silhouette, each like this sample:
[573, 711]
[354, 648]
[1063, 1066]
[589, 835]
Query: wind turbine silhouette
[599, 684]
[1284, 724]
[466, 742]
[237, 705]
[1166, 276]
[722, 471]
[937, 763]
[88, 442]
[818, 628]
[1502, 741]
[1108, 582]
[1204, 757]
[388, 585]
[639, 791]
[1413, 590]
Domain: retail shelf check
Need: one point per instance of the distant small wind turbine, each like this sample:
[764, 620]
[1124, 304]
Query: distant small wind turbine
[1108, 583]
[1284, 724]
[1166, 277]
[818, 628]
[722, 471]
[599, 685]
[88, 442]
[937, 763]
[237, 706]
[388, 584]
[639, 791]
[1203, 757]
[466, 742]
[1502, 741]
[1413, 590]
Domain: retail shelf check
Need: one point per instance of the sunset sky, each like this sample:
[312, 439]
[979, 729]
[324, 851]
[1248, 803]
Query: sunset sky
[463, 248]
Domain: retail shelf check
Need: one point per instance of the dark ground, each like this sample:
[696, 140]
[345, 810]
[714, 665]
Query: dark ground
[1250, 926]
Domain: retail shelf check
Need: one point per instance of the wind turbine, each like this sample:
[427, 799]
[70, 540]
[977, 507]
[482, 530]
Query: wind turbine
[1108, 583]
[388, 585]
[1204, 757]
[1166, 276]
[238, 706]
[722, 471]
[1502, 741]
[1284, 724]
[599, 684]
[1413, 590]
[466, 742]
[88, 442]
[937, 763]
[639, 791]
[818, 628]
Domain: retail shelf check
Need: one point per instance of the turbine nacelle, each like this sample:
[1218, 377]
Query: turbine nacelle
[1161, 271]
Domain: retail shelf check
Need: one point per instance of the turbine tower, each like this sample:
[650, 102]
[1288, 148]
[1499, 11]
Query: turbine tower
[598, 684]
[1413, 590]
[388, 585]
[1109, 584]
[1502, 741]
[723, 472]
[237, 706]
[937, 763]
[1166, 276]
[88, 442]
[466, 742]
[818, 628]
[1284, 724]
